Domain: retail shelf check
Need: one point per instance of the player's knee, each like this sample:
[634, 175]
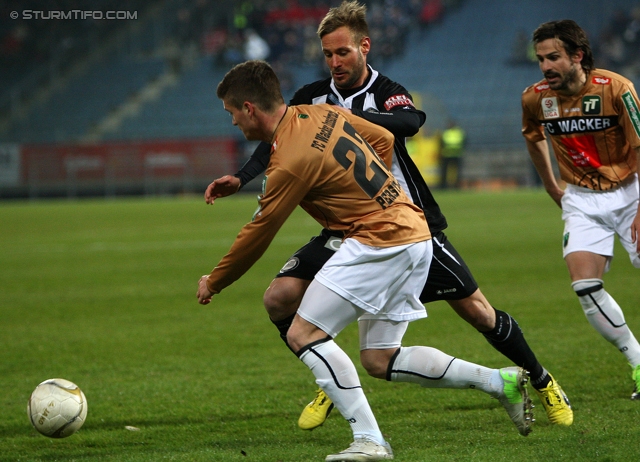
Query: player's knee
[295, 339]
[584, 287]
[590, 292]
[281, 301]
[375, 362]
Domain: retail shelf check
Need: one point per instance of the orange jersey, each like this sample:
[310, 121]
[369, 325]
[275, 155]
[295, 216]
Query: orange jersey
[320, 161]
[593, 133]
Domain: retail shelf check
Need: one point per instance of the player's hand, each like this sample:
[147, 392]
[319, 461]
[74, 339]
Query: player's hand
[222, 187]
[203, 294]
[556, 195]
[635, 231]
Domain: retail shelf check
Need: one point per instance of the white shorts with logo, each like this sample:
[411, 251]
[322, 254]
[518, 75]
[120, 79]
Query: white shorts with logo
[379, 287]
[383, 281]
[593, 218]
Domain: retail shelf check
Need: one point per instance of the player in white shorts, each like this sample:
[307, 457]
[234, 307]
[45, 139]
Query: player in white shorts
[592, 118]
[592, 219]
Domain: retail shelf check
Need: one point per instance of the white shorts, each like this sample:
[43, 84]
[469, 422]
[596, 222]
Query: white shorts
[385, 282]
[593, 218]
[330, 312]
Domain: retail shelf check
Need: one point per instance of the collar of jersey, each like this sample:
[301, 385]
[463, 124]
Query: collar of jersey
[346, 102]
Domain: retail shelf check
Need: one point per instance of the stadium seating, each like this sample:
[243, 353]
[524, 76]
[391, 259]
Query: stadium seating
[461, 61]
[464, 60]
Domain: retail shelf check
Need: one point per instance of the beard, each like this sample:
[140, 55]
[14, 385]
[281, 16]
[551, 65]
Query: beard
[565, 81]
[357, 72]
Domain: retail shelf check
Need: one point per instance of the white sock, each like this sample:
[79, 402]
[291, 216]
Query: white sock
[337, 376]
[606, 316]
[432, 368]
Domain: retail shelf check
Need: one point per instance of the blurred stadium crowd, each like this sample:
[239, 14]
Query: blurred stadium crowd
[618, 46]
[281, 31]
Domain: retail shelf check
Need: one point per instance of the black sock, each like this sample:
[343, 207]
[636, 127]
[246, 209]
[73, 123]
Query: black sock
[507, 338]
[283, 327]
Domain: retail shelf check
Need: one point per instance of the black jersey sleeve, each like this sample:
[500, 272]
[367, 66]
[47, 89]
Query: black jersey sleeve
[402, 122]
[256, 164]
[396, 111]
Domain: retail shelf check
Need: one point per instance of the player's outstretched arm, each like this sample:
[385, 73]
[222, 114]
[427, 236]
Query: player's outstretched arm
[222, 187]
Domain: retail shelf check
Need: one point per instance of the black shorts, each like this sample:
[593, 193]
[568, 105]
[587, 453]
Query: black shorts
[449, 276]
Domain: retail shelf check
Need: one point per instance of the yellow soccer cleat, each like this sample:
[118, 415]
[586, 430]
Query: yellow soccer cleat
[316, 412]
[556, 403]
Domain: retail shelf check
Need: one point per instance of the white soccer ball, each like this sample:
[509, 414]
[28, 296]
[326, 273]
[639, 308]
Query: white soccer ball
[57, 408]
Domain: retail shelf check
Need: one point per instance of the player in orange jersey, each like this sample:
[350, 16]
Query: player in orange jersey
[336, 166]
[592, 119]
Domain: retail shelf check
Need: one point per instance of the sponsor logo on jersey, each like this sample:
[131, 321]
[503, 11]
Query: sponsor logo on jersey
[398, 100]
[600, 80]
[583, 151]
[632, 110]
[542, 87]
[550, 108]
[591, 105]
[570, 125]
[303, 116]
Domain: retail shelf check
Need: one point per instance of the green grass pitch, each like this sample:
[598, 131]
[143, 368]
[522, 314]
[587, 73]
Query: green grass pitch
[103, 293]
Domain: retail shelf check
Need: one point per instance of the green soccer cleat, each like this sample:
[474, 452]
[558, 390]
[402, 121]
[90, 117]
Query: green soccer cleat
[515, 399]
[363, 450]
[316, 412]
[635, 375]
[556, 403]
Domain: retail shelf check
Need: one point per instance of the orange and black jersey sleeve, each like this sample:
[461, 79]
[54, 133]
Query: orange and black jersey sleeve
[593, 133]
[380, 101]
[321, 161]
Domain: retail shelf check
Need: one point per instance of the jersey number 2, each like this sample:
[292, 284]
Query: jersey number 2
[345, 145]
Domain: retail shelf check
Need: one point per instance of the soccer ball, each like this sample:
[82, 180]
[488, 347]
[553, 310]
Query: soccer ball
[57, 408]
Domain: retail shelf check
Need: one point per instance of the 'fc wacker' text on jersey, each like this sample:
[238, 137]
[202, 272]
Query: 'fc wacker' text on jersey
[593, 133]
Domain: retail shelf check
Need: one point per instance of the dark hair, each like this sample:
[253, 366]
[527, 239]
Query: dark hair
[571, 35]
[350, 14]
[253, 81]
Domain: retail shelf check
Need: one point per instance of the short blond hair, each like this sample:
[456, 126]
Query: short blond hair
[349, 14]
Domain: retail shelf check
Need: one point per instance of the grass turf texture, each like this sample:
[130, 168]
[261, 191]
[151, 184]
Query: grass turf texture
[103, 293]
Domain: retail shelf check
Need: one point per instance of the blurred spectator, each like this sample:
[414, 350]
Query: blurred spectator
[522, 51]
[618, 46]
[453, 141]
[255, 47]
